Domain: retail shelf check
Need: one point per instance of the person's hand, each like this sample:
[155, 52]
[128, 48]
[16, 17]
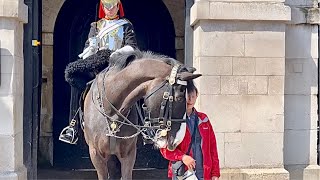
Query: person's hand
[214, 178]
[189, 161]
[124, 49]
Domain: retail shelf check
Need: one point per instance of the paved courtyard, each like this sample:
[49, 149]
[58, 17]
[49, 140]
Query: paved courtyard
[53, 174]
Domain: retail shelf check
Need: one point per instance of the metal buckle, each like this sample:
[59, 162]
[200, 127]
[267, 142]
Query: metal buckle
[144, 107]
[160, 120]
[169, 123]
[171, 98]
[166, 95]
[147, 124]
[162, 126]
[72, 122]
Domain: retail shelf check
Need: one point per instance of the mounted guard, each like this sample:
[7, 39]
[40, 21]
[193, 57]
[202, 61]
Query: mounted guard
[109, 36]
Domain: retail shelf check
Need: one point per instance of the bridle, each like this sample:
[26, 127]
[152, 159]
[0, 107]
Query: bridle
[161, 124]
[164, 121]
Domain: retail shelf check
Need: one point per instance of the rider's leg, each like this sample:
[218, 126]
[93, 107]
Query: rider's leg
[77, 74]
[69, 133]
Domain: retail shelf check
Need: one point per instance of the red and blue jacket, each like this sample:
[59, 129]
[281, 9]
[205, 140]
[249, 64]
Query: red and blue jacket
[208, 145]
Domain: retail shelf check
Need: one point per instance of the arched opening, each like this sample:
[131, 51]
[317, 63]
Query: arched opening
[153, 25]
[154, 30]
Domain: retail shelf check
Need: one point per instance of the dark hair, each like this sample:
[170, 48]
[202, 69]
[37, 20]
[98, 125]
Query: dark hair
[191, 87]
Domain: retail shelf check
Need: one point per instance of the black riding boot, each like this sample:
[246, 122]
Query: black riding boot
[70, 133]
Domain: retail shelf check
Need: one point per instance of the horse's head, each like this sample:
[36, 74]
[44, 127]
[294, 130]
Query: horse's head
[166, 106]
[162, 82]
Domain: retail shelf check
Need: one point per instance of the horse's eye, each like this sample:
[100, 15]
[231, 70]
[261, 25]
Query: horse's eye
[182, 90]
[179, 99]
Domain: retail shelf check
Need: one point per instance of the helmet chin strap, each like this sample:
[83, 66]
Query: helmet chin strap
[112, 18]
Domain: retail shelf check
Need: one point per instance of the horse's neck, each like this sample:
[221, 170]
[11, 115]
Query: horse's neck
[139, 73]
[130, 84]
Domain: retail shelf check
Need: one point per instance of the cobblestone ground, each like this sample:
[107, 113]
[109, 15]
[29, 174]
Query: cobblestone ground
[52, 174]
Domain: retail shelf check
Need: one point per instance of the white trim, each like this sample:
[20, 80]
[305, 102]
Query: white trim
[111, 26]
[202, 121]
[182, 82]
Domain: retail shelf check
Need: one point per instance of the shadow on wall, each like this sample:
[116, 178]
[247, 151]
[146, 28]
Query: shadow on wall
[7, 121]
[5, 87]
[300, 99]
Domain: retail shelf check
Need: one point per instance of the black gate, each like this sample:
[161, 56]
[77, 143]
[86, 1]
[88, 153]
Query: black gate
[32, 86]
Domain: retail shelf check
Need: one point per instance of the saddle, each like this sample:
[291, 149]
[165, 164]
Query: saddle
[81, 102]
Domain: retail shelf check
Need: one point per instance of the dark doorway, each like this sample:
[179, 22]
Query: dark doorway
[153, 25]
[154, 30]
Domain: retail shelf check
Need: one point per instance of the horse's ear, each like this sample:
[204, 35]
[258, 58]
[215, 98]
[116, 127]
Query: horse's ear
[185, 76]
[191, 69]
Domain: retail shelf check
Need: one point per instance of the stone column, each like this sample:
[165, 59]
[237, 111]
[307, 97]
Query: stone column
[50, 10]
[13, 14]
[301, 90]
[239, 47]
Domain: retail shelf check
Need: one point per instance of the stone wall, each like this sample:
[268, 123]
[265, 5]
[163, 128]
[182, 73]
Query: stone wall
[240, 50]
[13, 14]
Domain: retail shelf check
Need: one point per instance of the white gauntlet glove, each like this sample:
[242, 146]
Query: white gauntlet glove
[124, 49]
[92, 49]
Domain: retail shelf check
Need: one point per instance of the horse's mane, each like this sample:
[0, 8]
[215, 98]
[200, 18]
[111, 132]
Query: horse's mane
[120, 61]
[123, 60]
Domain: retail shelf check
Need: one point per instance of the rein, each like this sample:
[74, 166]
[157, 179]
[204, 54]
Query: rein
[162, 124]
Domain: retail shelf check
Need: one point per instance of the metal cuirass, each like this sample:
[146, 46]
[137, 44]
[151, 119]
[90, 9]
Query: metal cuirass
[113, 39]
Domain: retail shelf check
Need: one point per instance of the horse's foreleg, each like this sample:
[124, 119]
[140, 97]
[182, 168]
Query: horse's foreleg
[114, 167]
[99, 163]
[127, 163]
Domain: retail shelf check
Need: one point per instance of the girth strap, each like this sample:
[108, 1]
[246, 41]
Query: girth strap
[112, 144]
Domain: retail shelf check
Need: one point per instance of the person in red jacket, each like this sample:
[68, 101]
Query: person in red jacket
[203, 155]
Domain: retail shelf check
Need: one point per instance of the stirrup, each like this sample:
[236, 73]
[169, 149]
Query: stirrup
[73, 139]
